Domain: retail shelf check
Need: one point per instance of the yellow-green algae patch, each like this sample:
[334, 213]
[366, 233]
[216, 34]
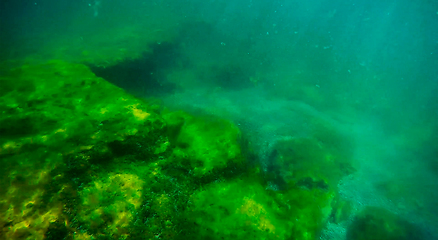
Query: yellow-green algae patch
[108, 203]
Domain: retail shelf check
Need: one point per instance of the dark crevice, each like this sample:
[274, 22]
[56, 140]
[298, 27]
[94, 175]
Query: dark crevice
[144, 76]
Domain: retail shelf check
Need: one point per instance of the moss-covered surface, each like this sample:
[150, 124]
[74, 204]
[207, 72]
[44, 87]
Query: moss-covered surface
[82, 159]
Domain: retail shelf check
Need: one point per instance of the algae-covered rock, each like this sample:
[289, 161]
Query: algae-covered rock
[319, 160]
[208, 144]
[305, 162]
[82, 159]
[377, 223]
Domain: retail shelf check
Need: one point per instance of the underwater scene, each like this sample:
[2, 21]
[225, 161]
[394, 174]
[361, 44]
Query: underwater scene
[218, 119]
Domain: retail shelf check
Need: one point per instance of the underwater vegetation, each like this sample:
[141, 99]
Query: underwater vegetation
[82, 159]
